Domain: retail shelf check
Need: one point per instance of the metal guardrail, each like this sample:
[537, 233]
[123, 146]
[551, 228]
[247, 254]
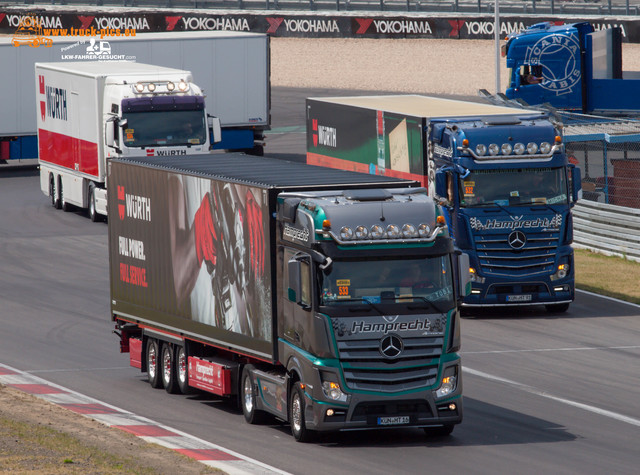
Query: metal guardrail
[607, 229]
[578, 7]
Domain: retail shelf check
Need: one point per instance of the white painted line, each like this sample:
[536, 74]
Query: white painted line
[542, 350]
[538, 392]
[608, 298]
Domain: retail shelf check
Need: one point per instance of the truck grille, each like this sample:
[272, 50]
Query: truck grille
[365, 368]
[536, 257]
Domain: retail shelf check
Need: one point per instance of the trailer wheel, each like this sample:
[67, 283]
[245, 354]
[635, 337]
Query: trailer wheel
[248, 398]
[296, 415]
[53, 192]
[182, 370]
[63, 203]
[153, 366]
[93, 214]
[168, 370]
[557, 308]
[441, 431]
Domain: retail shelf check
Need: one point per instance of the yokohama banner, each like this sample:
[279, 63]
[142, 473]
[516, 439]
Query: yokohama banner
[295, 24]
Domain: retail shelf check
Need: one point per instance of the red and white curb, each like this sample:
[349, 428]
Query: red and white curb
[209, 454]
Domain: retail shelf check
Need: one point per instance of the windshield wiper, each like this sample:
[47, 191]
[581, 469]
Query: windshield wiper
[424, 299]
[503, 208]
[360, 300]
[540, 203]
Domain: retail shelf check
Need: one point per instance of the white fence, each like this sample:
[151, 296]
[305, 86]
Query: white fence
[607, 229]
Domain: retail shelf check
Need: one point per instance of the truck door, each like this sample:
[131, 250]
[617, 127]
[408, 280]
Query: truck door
[293, 315]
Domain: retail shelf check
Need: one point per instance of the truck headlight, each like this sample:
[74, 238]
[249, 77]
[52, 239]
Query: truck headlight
[518, 148]
[561, 272]
[474, 276]
[545, 147]
[333, 391]
[449, 382]
[346, 233]
[377, 231]
[393, 231]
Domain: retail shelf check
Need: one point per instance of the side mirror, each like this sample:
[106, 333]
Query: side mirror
[215, 129]
[109, 132]
[464, 277]
[295, 281]
[576, 181]
[441, 184]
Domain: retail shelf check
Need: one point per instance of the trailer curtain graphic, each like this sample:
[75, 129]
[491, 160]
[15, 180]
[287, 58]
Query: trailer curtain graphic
[216, 234]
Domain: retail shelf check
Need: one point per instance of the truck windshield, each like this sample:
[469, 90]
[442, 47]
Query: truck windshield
[521, 186]
[389, 281]
[164, 128]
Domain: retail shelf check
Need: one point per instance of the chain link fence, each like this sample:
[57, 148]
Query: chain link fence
[608, 153]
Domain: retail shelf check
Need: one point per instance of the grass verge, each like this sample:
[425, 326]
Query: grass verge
[608, 275]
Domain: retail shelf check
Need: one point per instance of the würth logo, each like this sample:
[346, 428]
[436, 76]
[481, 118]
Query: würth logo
[121, 207]
[151, 152]
[274, 24]
[315, 132]
[43, 104]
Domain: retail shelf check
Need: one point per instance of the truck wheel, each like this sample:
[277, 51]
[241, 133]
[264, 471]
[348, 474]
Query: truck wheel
[182, 370]
[63, 203]
[557, 308]
[168, 369]
[441, 431]
[296, 416]
[248, 398]
[53, 192]
[153, 367]
[93, 214]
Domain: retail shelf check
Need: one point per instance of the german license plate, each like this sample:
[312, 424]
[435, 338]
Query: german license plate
[519, 298]
[392, 421]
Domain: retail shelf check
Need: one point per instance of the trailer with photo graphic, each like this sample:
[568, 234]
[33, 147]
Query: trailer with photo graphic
[325, 298]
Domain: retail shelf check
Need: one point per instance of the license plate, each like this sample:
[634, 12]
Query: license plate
[392, 421]
[519, 298]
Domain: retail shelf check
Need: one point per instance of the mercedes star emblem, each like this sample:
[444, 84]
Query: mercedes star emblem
[517, 239]
[391, 346]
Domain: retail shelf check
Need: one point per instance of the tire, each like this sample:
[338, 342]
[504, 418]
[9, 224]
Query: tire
[168, 369]
[442, 431]
[257, 150]
[248, 398]
[153, 364]
[296, 416]
[63, 204]
[53, 192]
[182, 370]
[557, 307]
[91, 205]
